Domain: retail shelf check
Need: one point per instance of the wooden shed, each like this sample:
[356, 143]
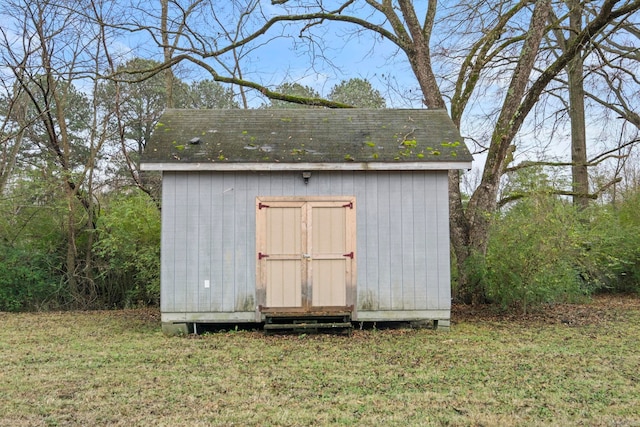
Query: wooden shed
[304, 212]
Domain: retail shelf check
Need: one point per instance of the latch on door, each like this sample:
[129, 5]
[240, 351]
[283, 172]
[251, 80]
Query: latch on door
[307, 256]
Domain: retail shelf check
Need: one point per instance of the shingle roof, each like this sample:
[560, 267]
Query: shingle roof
[315, 138]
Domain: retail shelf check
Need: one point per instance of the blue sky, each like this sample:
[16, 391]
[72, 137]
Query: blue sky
[286, 59]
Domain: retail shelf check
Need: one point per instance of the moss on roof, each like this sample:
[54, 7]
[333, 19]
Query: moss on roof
[305, 136]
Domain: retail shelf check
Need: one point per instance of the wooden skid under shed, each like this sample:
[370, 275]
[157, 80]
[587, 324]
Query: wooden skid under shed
[333, 318]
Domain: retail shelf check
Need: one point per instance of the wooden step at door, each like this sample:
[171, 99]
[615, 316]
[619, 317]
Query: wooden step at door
[305, 323]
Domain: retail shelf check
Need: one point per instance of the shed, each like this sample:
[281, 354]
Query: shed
[306, 212]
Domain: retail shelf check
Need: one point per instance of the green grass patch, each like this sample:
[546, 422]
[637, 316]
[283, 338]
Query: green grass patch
[116, 368]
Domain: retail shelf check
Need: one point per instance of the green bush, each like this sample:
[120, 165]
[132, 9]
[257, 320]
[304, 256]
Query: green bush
[128, 250]
[542, 250]
[31, 236]
[26, 282]
[534, 255]
[612, 246]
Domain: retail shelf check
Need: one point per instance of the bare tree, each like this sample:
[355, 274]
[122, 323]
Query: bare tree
[50, 51]
[601, 69]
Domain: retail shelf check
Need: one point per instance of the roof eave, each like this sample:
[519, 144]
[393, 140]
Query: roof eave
[274, 167]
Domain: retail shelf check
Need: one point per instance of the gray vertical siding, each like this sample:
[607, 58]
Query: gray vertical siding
[208, 233]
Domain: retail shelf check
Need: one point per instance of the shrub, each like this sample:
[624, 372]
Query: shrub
[541, 250]
[128, 248]
[26, 282]
[612, 248]
[533, 255]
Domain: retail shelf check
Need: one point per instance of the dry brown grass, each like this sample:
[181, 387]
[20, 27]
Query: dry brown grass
[566, 365]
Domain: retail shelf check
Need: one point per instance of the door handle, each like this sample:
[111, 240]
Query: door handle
[307, 256]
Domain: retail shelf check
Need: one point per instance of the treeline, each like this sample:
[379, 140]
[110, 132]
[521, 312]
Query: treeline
[120, 269]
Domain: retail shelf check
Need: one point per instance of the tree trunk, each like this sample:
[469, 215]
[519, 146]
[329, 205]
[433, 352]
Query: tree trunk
[473, 232]
[470, 227]
[459, 227]
[72, 282]
[167, 52]
[18, 109]
[420, 59]
[579, 173]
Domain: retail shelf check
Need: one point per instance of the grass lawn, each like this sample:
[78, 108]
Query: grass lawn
[567, 365]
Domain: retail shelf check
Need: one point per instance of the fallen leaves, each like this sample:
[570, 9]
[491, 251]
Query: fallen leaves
[601, 309]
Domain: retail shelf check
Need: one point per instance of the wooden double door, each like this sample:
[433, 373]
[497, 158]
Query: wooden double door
[306, 253]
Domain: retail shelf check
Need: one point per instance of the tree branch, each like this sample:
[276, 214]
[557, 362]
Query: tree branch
[474, 62]
[606, 15]
[268, 92]
[521, 195]
[592, 162]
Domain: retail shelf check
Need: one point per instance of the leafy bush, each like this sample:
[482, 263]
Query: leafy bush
[128, 248]
[533, 255]
[26, 282]
[30, 245]
[612, 236]
[541, 250]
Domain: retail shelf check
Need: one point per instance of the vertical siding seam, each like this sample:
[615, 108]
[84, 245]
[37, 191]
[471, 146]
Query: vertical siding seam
[431, 194]
[379, 246]
[249, 209]
[438, 177]
[388, 225]
[362, 241]
[425, 219]
[427, 244]
[231, 206]
[233, 238]
[164, 230]
[376, 228]
[436, 199]
[235, 241]
[210, 244]
[402, 243]
[414, 175]
[174, 288]
[222, 248]
[216, 241]
[399, 236]
[173, 255]
[418, 240]
[197, 268]
[184, 285]
[389, 259]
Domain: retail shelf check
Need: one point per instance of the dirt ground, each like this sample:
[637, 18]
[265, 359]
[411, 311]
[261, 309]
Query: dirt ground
[599, 309]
